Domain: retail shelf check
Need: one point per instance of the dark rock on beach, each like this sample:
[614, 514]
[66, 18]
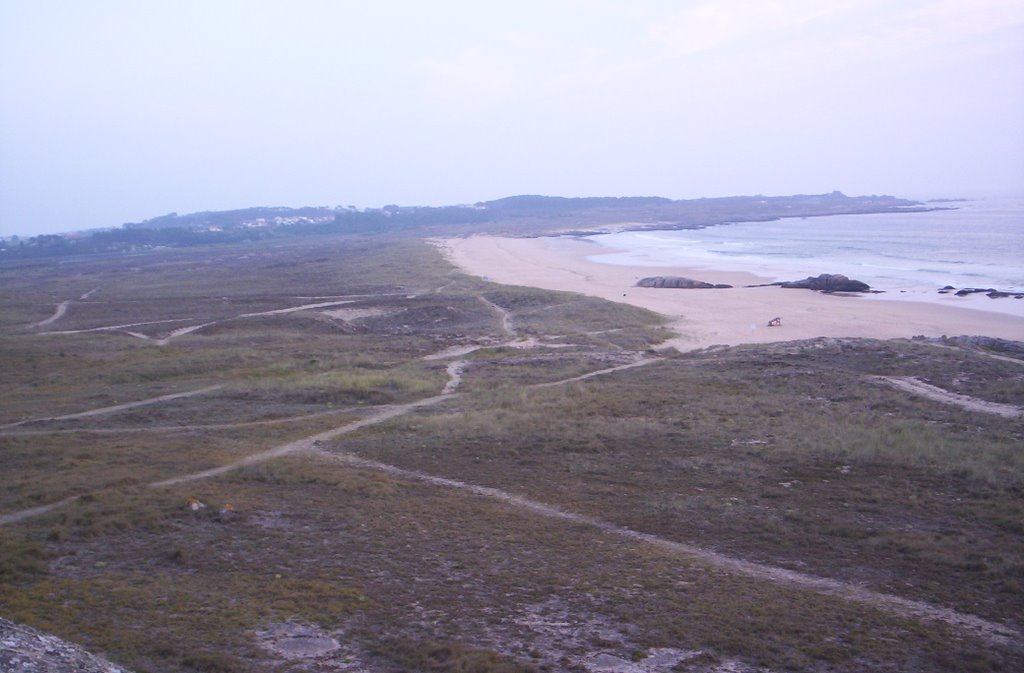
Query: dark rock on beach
[989, 292]
[828, 282]
[678, 282]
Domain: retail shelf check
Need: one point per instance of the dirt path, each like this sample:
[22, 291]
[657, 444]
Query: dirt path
[112, 328]
[313, 442]
[293, 309]
[986, 630]
[62, 308]
[917, 387]
[454, 370]
[639, 362]
[507, 325]
[181, 331]
[14, 517]
[110, 410]
[988, 354]
[455, 351]
[353, 297]
[307, 444]
[181, 428]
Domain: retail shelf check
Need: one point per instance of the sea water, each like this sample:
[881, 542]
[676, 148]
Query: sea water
[907, 255]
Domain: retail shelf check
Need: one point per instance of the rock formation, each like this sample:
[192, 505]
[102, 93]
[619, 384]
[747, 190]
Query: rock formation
[678, 282]
[989, 292]
[828, 282]
[23, 648]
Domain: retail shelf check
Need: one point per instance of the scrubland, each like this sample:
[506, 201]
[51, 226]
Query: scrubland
[584, 521]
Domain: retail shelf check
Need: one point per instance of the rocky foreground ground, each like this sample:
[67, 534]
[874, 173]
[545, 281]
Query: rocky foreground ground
[23, 648]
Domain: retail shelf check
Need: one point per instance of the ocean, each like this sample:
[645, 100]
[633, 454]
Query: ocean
[978, 244]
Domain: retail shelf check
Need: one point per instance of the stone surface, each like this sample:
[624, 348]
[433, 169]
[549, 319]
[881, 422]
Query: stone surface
[293, 640]
[23, 648]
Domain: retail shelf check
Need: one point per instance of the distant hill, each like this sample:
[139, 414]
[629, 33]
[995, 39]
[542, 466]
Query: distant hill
[513, 215]
[234, 218]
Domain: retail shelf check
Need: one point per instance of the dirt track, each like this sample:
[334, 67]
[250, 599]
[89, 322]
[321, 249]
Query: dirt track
[314, 445]
[62, 308]
[917, 387]
[21, 515]
[986, 630]
[507, 325]
[115, 408]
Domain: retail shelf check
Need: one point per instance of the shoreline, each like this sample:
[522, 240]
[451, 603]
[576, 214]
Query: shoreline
[702, 318]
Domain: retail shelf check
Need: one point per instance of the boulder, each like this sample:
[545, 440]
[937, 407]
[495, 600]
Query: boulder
[829, 282]
[974, 290]
[678, 282]
[23, 648]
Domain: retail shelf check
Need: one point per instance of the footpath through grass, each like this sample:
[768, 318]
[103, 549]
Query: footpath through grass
[788, 455]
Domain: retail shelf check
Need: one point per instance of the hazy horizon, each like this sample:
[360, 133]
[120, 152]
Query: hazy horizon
[117, 111]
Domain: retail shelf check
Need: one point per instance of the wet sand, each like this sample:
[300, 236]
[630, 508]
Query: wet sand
[733, 316]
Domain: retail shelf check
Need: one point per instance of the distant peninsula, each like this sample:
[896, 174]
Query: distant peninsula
[526, 215]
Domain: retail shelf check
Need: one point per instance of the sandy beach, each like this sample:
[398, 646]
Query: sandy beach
[733, 316]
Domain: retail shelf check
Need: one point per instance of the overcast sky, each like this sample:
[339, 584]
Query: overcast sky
[121, 110]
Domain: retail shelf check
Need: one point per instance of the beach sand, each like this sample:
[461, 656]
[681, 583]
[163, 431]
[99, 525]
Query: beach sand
[734, 316]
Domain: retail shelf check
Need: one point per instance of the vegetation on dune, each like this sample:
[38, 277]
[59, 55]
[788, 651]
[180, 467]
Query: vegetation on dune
[789, 455]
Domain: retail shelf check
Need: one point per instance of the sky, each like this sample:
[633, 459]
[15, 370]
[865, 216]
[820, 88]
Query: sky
[116, 111]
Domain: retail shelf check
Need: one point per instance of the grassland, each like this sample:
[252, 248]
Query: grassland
[788, 456]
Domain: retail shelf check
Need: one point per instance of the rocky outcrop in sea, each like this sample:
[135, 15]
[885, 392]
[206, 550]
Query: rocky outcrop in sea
[828, 282]
[989, 292]
[678, 282]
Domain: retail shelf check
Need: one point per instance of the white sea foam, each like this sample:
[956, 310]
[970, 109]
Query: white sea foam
[978, 244]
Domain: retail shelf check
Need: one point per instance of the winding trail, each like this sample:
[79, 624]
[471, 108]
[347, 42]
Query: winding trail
[118, 407]
[179, 428]
[639, 362]
[181, 331]
[454, 370]
[62, 308]
[313, 445]
[112, 328]
[307, 444]
[916, 386]
[14, 517]
[455, 351]
[986, 630]
[977, 351]
[507, 324]
[293, 309]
